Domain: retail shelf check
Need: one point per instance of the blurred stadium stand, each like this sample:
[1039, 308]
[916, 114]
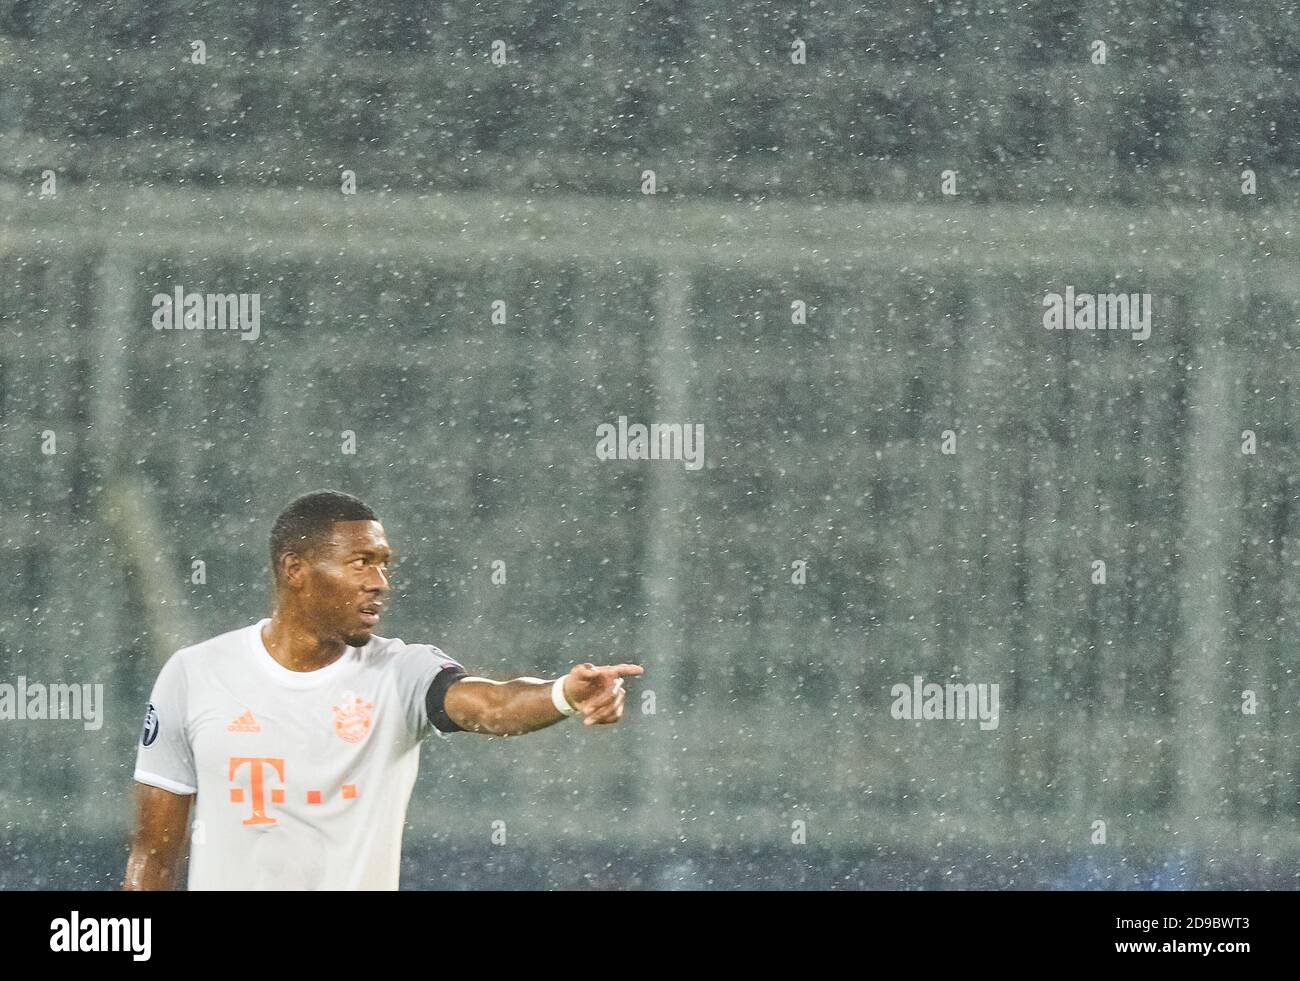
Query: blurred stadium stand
[1119, 703]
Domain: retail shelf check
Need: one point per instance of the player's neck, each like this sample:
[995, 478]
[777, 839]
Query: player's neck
[296, 646]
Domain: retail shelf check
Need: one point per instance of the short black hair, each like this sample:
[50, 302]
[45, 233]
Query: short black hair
[305, 524]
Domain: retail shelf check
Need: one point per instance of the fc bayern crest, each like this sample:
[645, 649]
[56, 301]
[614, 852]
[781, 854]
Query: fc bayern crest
[352, 718]
[150, 731]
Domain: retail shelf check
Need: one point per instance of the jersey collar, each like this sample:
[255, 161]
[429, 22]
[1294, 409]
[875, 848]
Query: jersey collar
[294, 679]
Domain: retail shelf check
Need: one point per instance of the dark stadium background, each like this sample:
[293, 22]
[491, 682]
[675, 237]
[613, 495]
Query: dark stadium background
[476, 441]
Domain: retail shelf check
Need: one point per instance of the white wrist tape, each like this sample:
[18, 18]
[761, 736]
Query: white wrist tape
[558, 700]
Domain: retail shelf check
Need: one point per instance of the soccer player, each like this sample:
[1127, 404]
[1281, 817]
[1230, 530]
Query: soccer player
[300, 735]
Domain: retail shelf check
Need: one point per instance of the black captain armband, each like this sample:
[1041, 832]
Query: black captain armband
[437, 695]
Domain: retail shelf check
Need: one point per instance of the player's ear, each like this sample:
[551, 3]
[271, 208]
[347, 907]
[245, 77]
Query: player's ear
[293, 570]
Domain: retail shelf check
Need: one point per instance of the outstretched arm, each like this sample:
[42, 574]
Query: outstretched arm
[512, 708]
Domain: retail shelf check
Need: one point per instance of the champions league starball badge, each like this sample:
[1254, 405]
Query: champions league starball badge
[150, 731]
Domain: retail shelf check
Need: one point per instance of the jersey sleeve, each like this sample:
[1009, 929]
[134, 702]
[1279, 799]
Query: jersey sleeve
[427, 676]
[164, 757]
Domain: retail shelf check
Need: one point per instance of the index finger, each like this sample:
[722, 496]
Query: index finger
[622, 670]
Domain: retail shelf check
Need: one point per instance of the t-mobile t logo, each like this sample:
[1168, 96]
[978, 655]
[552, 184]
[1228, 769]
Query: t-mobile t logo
[257, 785]
[256, 792]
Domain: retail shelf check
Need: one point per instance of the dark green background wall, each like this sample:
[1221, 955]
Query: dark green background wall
[476, 440]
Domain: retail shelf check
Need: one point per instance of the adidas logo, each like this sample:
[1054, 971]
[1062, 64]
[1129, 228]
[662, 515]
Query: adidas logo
[245, 723]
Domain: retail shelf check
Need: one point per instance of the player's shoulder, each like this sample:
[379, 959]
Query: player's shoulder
[221, 646]
[397, 652]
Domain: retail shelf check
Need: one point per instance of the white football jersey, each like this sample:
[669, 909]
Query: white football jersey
[302, 777]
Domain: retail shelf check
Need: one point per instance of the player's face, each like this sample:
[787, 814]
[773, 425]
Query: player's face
[348, 582]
